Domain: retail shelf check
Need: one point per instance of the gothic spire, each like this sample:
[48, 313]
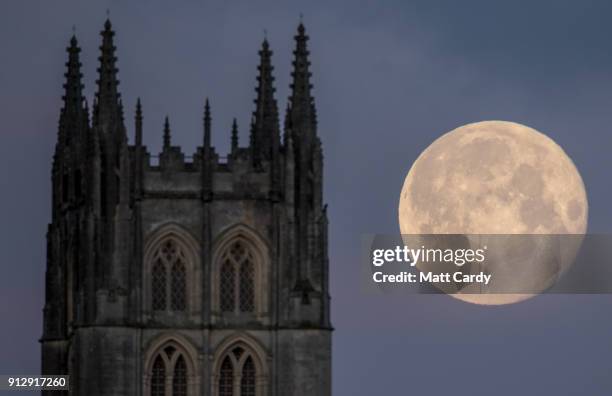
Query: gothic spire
[108, 95]
[264, 132]
[138, 123]
[300, 127]
[302, 102]
[207, 121]
[167, 142]
[73, 109]
[73, 96]
[234, 137]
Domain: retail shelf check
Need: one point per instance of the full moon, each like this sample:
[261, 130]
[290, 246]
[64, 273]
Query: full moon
[495, 177]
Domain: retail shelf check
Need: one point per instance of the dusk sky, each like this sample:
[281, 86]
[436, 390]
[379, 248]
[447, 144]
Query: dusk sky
[389, 78]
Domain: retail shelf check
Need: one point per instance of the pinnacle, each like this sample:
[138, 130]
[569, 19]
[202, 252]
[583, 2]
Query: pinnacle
[265, 117]
[234, 135]
[167, 142]
[73, 86]
[207, 109]
[207, 122]
[108, 97]
[138, 119]
[302, 113]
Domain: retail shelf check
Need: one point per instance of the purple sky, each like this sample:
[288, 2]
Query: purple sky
[389, 78]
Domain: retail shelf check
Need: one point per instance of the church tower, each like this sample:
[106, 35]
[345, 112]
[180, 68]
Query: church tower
[188, 276]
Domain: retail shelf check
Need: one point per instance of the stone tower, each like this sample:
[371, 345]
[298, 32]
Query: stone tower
[188, 277]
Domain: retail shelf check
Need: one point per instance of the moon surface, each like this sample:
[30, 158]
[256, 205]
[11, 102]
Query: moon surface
[496, 177]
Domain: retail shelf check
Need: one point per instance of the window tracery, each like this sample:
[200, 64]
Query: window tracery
[237, 279]
[169, 277]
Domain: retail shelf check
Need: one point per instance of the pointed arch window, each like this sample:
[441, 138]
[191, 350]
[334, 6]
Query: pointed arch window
[237, 279]
[178, 286]
[158, 377]
[247, 286]
[169, 374]
[228, 286]
[247, 380]
[158, 287]
[179, 381]
[169, 277]
[237, 374]
[226, 378]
